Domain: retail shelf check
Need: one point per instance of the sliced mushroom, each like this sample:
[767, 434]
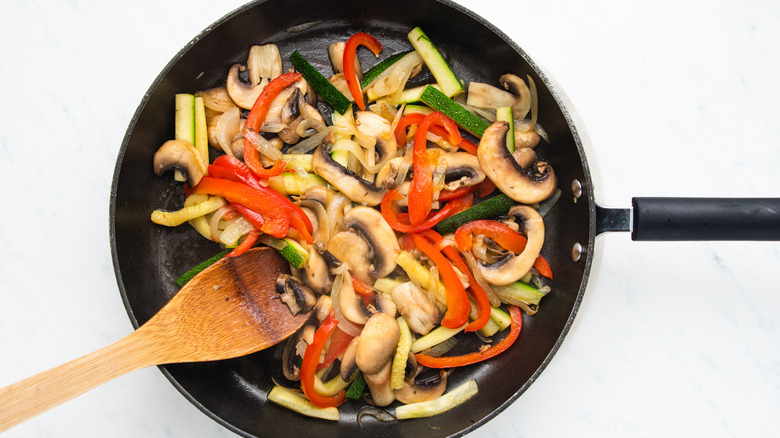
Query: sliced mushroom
[347, 182]
[180, 155]
[486, 96]
[419, 311]
[522, 93]
[371, 124]
[353, 250]
[290, 367]
[513, 267]
[318, 272]
[265, 63]
[379, 385]
[369, 224]
[528, 184]
[348, 366]
[336, 55]
[377, 343]
[298, 297]
[422, 389]
[356, 309]
[463, 170]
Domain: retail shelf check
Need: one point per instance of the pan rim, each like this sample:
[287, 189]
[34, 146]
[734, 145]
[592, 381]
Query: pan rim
[561, 100]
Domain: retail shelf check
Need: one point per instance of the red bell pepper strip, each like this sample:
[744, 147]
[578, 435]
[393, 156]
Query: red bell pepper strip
[475, 290]
[233, 169]
[350, 74]
[247, 243]
[457, 301]
[477, 356]
[255, 120]
[339, 341]
[400, 222]
[508, 238]
[460, 192]
[311, 358]
[227, 166]
[485, 188]
[421, 188]
[415, 119]
[275, 219]
[361, 287]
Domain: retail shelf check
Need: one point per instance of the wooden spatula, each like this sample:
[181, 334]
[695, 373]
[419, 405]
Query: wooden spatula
[229, 310]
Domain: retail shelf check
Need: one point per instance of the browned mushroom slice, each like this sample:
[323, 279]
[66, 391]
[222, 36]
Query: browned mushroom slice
[180, 155]
[530, 184]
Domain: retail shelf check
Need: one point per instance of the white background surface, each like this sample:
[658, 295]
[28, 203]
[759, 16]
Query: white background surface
[680, 98]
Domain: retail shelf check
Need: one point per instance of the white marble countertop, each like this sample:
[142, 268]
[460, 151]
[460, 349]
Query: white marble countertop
[679, 98]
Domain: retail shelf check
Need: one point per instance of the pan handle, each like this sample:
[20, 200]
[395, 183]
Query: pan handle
[705, 219]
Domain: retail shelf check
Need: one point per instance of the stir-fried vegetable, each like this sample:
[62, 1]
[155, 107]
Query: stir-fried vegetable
[387, 212]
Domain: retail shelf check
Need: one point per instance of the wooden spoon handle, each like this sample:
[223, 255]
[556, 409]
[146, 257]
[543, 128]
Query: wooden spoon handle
[34, 395]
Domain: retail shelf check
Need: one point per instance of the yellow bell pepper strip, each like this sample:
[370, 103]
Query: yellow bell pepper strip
[421, 188]
[508, 238]
[457, 301]
[477, 356]
[350, 74]
[475, 290]
[311, 358]
[400, 221]
[255, 119]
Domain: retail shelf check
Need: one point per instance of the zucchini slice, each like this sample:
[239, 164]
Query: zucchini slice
[441, 70]
[321, 84]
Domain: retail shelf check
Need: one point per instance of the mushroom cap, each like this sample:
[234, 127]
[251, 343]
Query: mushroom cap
[352, 249]
[421, 390]
[419, 311]
[182, 156]
[523, 184]
[463, 170]
[513, 267]
[377, 344]
[369, 224]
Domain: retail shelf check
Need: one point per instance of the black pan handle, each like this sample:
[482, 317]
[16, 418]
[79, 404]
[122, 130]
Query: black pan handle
[706, 219]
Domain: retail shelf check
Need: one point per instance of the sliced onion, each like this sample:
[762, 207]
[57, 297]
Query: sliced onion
[344, 324]
[336, 209]
[441, 348]
[228, 127]
[534, 101]
[300, 171]
[404, 167]
[358, 152]
[264, 146]
[310, 143]
[237, 227]
[217, 99]
[215, 218]
[396, 76]
[494, 301]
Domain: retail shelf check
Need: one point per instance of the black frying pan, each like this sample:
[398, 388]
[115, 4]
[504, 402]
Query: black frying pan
[148, 258]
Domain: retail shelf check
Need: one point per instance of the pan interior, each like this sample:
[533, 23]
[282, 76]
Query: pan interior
[148, 258]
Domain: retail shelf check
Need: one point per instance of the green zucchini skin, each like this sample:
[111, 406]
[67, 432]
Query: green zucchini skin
[320, 83]
[494, 207]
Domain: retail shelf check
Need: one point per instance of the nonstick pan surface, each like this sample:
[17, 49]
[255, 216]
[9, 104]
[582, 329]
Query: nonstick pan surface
[597, 364]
